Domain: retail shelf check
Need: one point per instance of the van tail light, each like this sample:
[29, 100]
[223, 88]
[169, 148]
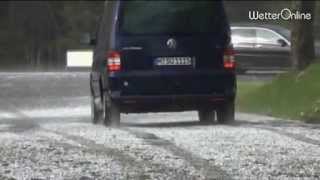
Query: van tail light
[113, 61]
[228, 59]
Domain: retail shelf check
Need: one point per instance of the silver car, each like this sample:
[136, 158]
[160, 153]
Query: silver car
[261, 47]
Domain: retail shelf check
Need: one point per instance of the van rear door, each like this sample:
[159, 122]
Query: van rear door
[155, 35]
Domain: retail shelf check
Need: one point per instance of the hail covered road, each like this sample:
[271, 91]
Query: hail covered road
[45, 133]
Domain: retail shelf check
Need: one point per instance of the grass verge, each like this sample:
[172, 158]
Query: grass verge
[294, 95]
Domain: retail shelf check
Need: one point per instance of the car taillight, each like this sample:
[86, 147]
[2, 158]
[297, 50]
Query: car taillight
[113, 61]
[228, 59]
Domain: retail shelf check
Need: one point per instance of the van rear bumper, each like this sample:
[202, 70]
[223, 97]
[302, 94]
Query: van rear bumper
[127, 99]
[167, 103]
[157, 83]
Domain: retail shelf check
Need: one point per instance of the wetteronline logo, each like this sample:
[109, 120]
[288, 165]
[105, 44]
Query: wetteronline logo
[284, 14]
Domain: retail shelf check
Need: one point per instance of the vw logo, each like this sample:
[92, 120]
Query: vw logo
[171, 43]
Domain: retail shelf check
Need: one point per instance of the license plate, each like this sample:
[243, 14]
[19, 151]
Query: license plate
[174, 61]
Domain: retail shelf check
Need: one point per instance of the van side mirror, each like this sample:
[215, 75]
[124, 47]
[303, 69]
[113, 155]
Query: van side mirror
[282, 42]
[87, 39]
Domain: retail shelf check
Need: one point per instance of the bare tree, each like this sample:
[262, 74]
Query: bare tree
[302, 43]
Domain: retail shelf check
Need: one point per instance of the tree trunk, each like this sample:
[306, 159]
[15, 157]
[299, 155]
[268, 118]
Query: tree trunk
[302, 42]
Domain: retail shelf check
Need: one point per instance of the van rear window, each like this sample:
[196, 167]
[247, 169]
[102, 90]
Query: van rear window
[168, 17]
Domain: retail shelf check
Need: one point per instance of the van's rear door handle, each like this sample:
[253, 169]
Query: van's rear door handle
[132, 48]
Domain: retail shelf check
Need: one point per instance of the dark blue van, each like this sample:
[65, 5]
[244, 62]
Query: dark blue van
[163, 56]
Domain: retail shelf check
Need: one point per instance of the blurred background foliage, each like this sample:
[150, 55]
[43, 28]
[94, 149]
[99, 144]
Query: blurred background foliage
[34, 35]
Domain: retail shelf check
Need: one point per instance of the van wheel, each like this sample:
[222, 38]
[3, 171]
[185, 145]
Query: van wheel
[225, 113]
[206, 116]
[111, 112]
[96, 110]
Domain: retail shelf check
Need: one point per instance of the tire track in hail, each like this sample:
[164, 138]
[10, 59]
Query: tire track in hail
[294, 136]
[269, 127]
[207, 169]
[130, 163]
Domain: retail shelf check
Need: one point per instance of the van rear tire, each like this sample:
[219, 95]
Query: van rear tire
[226, 113]
[96, 110]
[111, 112]
[206, 116]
